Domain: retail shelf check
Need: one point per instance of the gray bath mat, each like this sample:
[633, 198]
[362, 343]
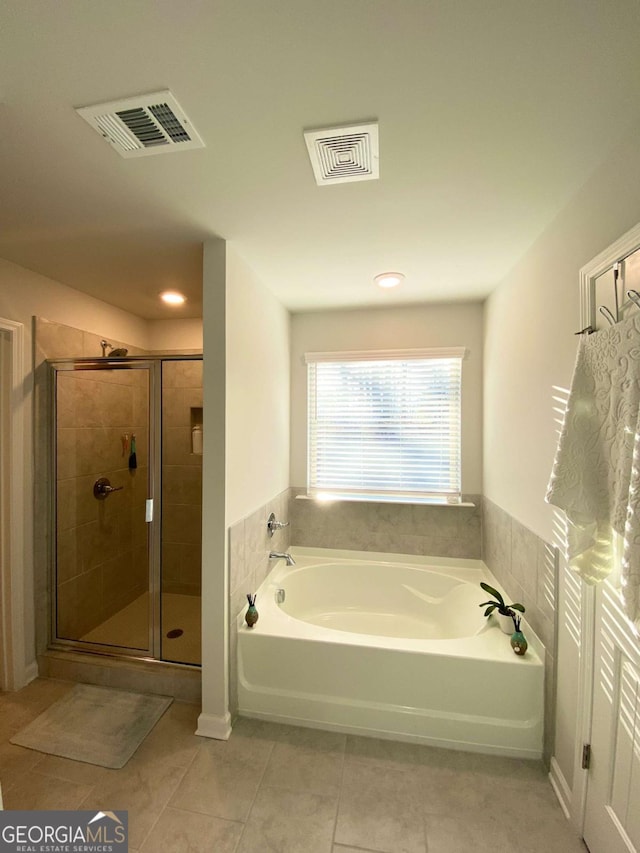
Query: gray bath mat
[96, 725]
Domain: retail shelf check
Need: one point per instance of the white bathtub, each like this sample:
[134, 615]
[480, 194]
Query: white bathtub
[391, 646]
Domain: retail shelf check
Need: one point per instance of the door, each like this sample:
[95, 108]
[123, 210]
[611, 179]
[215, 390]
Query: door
[103, 581]
[612, 817]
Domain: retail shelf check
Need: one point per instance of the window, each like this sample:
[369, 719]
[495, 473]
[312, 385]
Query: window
[385, 425]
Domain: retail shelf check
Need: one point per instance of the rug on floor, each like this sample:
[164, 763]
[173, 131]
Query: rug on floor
[96, 725]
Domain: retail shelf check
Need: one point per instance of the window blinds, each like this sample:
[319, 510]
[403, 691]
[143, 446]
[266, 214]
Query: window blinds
[385, 425]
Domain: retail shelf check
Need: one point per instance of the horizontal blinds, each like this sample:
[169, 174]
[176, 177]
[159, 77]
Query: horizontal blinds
[385, 426]
[387, 355]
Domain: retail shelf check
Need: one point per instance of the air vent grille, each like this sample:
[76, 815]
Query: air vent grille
[164, 114]
[344, 154]
[139, 127]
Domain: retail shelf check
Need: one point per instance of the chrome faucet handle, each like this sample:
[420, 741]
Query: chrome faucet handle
[274, 525]
[102, 488]
[281, 555]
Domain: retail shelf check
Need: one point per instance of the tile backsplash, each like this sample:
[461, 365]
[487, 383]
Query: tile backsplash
[438, 531]
[527, 567]
[249, 546]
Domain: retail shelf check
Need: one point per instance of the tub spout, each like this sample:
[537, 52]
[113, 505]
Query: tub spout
[278, 555]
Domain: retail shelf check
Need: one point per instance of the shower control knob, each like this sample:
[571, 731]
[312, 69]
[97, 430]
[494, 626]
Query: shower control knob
[102, 488]
[274, 525]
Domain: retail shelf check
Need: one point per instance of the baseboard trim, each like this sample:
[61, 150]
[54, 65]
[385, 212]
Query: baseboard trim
[31, 672]
[561, 787]
[211, 726]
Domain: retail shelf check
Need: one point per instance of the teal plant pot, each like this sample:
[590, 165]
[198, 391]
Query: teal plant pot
[519, 643]
[251, 616]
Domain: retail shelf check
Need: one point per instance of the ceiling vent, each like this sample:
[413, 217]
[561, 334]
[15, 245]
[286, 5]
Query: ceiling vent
[340, 155]
[148, 124]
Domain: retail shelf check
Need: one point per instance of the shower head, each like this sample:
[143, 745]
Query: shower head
[117, 352]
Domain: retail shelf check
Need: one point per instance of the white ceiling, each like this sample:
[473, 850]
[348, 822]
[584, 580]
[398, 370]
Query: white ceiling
[492, 114]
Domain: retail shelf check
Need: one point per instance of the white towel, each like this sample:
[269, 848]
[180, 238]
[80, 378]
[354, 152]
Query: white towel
[596, 473]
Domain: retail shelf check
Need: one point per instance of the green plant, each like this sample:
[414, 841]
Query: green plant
[498, 603]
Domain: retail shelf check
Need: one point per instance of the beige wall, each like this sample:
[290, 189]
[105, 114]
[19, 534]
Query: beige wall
[25, 294]
[170, 335]
[436, 325]
[530, 348]
[257, 380]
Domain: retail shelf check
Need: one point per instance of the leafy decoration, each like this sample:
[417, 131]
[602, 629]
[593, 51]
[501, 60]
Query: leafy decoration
[498, 603]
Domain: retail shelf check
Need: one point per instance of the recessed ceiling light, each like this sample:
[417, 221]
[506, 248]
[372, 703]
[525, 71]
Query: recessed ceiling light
[389, 279]
[172, 297]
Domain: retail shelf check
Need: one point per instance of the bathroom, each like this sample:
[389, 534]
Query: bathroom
[521, 351]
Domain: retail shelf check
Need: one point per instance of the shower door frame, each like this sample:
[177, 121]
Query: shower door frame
[154, 491]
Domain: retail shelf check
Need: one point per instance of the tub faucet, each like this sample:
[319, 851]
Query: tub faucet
[278, 555]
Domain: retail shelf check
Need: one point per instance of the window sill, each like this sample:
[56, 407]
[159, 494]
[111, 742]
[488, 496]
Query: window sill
[386, 500]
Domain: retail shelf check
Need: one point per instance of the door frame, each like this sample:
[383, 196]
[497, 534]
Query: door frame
[597, 266]
[602, 263]
[13, 669]
[584, 717]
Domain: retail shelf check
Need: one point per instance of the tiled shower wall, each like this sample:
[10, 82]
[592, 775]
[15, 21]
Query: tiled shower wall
[438, 531]
[181, 478]
[249, 546]
[101, 544]
[527, 568]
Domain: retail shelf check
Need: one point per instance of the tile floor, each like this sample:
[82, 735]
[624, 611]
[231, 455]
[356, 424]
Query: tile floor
[282, 789]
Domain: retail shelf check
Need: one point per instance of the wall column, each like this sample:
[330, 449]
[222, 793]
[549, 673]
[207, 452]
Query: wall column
[214, 720]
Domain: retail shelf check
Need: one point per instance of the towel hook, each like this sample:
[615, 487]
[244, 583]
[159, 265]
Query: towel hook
[607, 313]
[634, 296]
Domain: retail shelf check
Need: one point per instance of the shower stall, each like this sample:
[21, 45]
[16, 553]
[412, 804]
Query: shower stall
[127, 500]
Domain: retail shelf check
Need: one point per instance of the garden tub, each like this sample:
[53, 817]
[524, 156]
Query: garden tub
[392, 646]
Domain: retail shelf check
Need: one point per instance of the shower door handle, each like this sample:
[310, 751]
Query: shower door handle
[102, 488]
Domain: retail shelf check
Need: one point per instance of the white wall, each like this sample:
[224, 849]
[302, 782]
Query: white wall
[246, 441]
[432, 325]
[530, 348]
[257, 391]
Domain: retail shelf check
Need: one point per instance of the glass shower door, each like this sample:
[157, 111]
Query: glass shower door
[181, 510]
[102, 586]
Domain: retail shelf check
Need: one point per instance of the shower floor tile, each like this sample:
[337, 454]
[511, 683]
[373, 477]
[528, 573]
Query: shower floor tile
[182, 612]
[129, 627]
